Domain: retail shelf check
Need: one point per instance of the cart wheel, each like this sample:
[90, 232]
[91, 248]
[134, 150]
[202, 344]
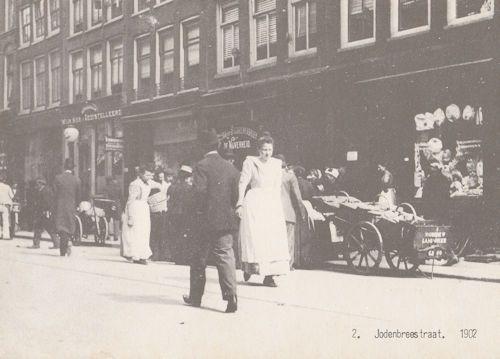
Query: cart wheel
[77, 238]
[363, 250]
[397, 260]
[102, 231]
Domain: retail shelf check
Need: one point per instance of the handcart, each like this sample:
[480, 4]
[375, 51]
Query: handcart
[368, 233]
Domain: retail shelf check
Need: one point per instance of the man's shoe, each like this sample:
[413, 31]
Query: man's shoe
[68, 251]
[246, 276]
[140, 261]
[34, 247]
[269, 282]
[232, 304]
[191, 302]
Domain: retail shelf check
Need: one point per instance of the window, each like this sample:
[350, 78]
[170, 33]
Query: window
[140, 5]
[302, 17]
[95, 10]
[26, 85]
[115, 9]
[143, 67]
[25, 25]
[357, 22]
[40, 73]
[54, 15]
[159, 2]
[463, 11]
[77, 15]
[229, 35]
[9, 14]
[55, 77]
[39, 11]
[77, 76]
[191, 54]
[264, 36]
[409, 16]
[95, 55]
[165, 73]
[116, 66]
[9, 78]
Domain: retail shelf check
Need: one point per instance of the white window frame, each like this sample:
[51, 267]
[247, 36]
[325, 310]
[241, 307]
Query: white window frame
[51, 32]
[5, 82]
[21, 89]
[72, 17]
[220, 36]
[184, 23]
[395, 32]
[158, 71]
[71, 79]
[109, 12]
[90, 5]
[109, 64]
[89, 93]
[452, 14]
[37, 107]
[51, 102]
[136, 8]
[253, 38]
[161, 2]
[44, 20]
[9, 15]
[136, 64]
[23, 43]
[291, 30]
[344, 27]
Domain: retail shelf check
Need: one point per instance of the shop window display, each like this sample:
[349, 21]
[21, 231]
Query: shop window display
[451, 140]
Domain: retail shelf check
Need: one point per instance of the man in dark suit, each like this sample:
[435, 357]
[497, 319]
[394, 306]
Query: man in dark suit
[67, 193]
[292, 204]
[42, 211]
[215, 183]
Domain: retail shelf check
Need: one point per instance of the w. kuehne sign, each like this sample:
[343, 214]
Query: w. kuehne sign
[89, 117]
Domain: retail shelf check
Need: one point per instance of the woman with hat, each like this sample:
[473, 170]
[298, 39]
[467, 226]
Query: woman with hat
[179, 215]
[263, 235]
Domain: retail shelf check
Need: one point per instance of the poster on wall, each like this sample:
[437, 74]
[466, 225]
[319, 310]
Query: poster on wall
[449, 145]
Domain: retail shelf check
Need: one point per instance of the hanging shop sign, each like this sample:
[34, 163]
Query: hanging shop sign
[238, 138]
[114, 144]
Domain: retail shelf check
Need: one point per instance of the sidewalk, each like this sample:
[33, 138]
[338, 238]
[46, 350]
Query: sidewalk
[487, 272]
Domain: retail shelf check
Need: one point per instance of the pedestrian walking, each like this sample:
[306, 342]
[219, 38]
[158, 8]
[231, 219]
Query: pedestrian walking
[263, 235]
[293, 209]
[114, 193]
[67, 194]
[6, 196]
[158, 207]
[42, 210]
[136, 220]
[215, 183]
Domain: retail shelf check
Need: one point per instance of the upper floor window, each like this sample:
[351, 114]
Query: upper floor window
[26, 84]
[77, 77]
[357, 22]
[114, 9]
[95, 55]
[303, 26]
[39, 11]
[95, 10]
[165, 73]
[229, 35]
[143, 67]
[9, 14]
[463, 11]
[115, 77]
[8, 78]
[54, 16]
[55, 77]
[409, 16]
[25, 25]
[40, 81]
[191, 54]
[76, 8]
[141, 5]
[263, 35]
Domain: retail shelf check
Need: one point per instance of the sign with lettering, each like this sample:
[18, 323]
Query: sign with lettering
[114, 144]
[89, 117]
[238, 138]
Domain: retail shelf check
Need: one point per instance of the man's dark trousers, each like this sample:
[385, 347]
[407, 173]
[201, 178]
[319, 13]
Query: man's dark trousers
[43, 222]
[220, 245]
[65, 238]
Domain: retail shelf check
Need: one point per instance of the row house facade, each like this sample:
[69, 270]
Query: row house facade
[335, 82]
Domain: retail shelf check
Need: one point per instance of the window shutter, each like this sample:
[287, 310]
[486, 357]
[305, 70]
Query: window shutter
[300, 20]
[264, 5]
[312, 17]
[261, 37]
[228, 42]
[236, 44]
[230, 14]
[357, 6]
[272, 29]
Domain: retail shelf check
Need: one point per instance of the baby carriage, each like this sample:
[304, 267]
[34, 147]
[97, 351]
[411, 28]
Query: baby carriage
[91, 220]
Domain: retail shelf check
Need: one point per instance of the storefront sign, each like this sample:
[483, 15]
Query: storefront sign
[89, 117]
[238, 138]
[114, 144]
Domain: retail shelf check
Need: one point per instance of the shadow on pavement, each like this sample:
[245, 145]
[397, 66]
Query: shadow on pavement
[144, 299]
